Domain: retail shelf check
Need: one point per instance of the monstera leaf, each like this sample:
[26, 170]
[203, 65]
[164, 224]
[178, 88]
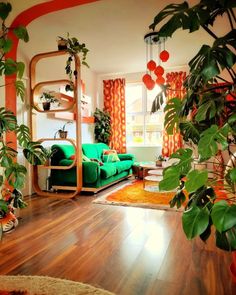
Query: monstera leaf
[7, 121]
[207, 146]
[35, 153]
[6, 155]
[223, 216]
[172, 116]
[189, 131]
[23, 135]
[196, 179]
[15, 174]
[195, 221]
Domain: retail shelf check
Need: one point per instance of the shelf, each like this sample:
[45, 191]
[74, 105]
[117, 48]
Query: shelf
[71, 117]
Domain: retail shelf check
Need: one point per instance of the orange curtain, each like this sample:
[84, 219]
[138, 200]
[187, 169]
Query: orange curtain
[114, 103]
[171, 143]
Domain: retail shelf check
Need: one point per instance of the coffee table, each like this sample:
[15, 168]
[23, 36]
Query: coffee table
[151, 173]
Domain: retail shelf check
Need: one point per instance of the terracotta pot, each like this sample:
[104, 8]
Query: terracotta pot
[63, 134]
[46, 106]
[61, 44]
[158, 163]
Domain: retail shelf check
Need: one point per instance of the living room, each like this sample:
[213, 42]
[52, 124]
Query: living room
[139, 246]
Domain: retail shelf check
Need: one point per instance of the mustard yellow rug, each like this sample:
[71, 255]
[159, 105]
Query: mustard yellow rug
[40, 285]
[133, 194]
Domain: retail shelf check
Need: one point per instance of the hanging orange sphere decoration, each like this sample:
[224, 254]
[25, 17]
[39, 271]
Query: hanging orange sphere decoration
[160, 80]
[164, 56]
[151, 65]
[146, 77]
[150, 84]
[159, 71]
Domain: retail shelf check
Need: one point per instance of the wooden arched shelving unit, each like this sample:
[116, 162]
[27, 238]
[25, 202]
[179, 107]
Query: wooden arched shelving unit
[74, 104]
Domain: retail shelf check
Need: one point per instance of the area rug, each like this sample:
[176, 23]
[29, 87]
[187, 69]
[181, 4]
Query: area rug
[40, 285]
[133, 194]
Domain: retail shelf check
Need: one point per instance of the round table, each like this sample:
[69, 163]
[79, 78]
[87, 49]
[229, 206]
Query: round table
[151, 173]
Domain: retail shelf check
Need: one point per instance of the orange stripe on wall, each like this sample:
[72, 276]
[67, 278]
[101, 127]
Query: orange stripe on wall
[24, 18]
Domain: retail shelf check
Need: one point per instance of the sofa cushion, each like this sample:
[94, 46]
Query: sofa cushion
[123, 165]
[110, 156]
[94, 150]
[108, 170]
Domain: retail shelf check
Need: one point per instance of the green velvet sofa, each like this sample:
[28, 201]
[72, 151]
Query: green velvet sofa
[95, 177]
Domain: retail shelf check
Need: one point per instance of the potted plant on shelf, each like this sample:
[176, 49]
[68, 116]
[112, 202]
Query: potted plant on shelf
[102, 129]
[206, 117]
[72, 46]
[12, 174]
[62, 131]
[48, 97]
[159, 160]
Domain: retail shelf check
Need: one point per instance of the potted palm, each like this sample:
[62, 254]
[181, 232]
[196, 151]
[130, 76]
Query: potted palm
[12, 175]
[206, 118]
[48, 97]
[72, 46]
[62, 131]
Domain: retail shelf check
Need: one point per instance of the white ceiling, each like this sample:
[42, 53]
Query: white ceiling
[113, 31]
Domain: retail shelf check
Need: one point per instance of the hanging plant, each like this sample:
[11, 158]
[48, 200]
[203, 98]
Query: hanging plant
[72, 46]
[102, 128]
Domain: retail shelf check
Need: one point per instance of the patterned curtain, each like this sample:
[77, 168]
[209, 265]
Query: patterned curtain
[171, 143]
[114, 103]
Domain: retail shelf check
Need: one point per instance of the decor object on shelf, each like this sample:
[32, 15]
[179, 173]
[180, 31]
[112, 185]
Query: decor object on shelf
[72, 46]
[48, 97]
[63, 132]
[102, 129]
[206, 118]
[12, 175]
[154, 39]
[159, 160]
[95, 176]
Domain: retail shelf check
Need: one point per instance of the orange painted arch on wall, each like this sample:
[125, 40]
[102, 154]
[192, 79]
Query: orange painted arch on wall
[25, 18]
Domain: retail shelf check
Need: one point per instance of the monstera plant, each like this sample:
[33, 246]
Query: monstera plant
[206, 118]
[12, 174]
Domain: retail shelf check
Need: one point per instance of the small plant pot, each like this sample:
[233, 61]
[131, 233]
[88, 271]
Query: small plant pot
[158, 163]
[46, 106]
[63, 134]
[62, 45]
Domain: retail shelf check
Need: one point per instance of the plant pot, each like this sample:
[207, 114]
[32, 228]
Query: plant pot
[158, 163]
[46, 106]
[62, 45]
[63, 134]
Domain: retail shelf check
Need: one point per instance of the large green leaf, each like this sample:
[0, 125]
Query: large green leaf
[196, 179]
[10, 67]
[185, 160]
[172, 114]
[195, 221]
[5, 45]
[207, 146]
[233, 174]
[20, 89]
[178, 199]
[21, 33]
[35, 153]
[20, 67]
[189, 131]
[5, 9]
[15, 175]
[170, 179]
[7, 121]
[7, 154]
[227, 239]
[23, 135]
[223, 215]
[3, 206]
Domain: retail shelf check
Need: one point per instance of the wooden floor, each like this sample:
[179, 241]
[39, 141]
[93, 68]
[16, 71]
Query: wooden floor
[129, 251]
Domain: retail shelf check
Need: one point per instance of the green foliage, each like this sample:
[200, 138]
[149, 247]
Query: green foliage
[13, 172]
[73, 47]
[206, 118]
[102, 129]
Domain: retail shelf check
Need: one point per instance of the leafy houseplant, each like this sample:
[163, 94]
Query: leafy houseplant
[102, 128]
[47, 98]
[72, 46]
[159, 160]
[206, 118]
[12, 172]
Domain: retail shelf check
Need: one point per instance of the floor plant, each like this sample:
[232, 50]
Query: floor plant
[12, 174]
[206, 118]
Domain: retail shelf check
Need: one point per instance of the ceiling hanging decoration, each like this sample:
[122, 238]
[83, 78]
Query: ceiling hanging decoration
[154, 72]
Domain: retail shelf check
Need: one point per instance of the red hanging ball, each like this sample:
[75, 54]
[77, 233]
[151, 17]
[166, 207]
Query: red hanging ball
[146, 78]
[151, 65]
[150, 84]
[164, 55]
[160, 80]
[159, 71]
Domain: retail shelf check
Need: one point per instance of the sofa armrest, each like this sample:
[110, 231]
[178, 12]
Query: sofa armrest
[91, 172]
[123, 157]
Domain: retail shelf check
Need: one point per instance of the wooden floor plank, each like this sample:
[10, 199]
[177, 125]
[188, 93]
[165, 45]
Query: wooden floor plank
[129, 251]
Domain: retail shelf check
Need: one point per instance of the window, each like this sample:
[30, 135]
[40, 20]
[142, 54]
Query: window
[142, 127]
